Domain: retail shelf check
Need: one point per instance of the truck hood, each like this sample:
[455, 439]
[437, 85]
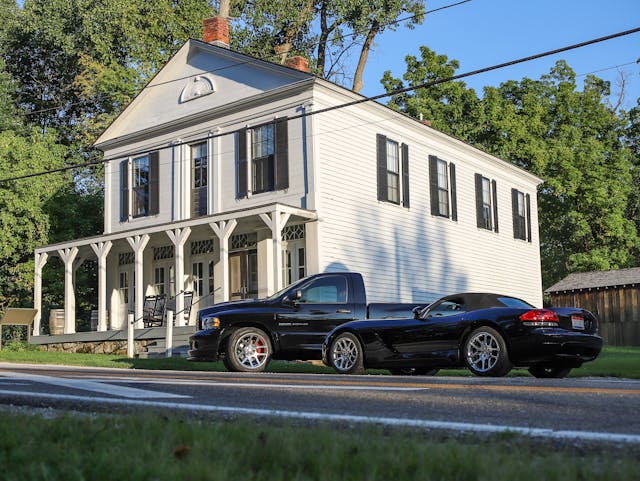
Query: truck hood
[228, 306]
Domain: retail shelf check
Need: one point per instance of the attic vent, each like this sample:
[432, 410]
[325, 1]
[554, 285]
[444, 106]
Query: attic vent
[198, 86]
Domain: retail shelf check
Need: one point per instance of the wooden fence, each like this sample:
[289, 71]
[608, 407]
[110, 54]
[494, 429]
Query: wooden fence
[617, 309]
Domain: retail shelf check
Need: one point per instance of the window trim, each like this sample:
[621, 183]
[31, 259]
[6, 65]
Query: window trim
[383, 172]
[483, 207]
[436, 188]
[521, 213]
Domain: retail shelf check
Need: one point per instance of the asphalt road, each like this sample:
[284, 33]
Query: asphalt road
[582, 408]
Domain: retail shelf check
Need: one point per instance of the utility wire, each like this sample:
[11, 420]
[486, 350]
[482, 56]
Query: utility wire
[362, 100]
[253, 60]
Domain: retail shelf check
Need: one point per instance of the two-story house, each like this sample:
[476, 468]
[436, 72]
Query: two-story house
[231, 177]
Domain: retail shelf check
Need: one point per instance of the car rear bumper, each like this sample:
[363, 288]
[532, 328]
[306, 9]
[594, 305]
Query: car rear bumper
[204, 345]
[557, 346]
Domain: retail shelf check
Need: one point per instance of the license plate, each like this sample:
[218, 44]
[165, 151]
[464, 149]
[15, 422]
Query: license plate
[577, 322]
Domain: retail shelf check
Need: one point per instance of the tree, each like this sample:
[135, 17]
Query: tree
[568, 137]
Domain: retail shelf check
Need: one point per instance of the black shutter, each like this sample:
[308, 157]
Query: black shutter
[495, 205]
[405, 175]
[514, 213]
[528, 201]
[282, 154]
[241, 164]
[433, 184]
[381, 147]
[454, 200]
[154, 183]
[479, 203]
[124, 191]
[202, 201]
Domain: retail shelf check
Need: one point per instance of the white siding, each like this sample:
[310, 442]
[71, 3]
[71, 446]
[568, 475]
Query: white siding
[408, 254]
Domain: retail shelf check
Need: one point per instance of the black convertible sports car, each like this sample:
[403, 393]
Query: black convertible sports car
[488, 333]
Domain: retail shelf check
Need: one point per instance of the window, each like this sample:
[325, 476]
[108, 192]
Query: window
[442, 182]
[210, 278]
[521, 210]
[393, 171]
[197, 269]
[140, 186]
[446, 308]
[200, 173]
[123, 287]
[325, 290]
[139, 193]
[159, 280]
[486, 203]
[264, 167]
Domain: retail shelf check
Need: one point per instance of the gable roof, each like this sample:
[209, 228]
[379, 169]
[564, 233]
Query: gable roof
[597, 279]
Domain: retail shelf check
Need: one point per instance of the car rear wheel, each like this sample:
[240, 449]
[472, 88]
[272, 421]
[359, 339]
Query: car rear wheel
[345, 354]
[485, 353]
[414, 371]
[549, 371]
[248, 350]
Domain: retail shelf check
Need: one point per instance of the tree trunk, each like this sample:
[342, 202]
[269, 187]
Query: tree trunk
[364, 54]
[292, 32]
[224, 8]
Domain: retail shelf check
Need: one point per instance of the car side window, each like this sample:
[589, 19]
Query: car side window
[325, 290]
[446, 308]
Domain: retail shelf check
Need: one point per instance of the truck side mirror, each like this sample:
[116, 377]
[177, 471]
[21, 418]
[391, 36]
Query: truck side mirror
[292, 299]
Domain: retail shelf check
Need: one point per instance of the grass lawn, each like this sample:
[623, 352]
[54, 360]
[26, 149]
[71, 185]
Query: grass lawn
[163, 446]
[612, 362]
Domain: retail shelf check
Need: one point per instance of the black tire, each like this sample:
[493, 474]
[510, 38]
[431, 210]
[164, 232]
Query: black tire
[414, 371]
[485, 353]
[247, 350]
[345, 354]
[547, 372]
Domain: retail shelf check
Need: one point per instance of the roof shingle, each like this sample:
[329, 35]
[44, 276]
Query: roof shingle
[595, 279]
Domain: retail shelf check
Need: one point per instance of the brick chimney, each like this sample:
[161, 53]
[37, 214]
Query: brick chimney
[298, 62]
[215, 30]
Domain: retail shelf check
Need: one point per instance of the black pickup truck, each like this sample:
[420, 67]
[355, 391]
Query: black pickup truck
[291, 324]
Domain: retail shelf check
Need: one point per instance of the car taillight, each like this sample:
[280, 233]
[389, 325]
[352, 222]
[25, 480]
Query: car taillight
[540, 318]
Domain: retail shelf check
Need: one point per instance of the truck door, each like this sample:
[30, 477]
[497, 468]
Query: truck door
[322, 304]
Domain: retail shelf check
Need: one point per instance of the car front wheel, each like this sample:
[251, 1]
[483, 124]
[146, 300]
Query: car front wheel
[485, 353]
[549, 371]
[345, 354]
[248, 350]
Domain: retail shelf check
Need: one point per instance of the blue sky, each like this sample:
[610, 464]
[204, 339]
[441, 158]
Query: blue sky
[482, 33]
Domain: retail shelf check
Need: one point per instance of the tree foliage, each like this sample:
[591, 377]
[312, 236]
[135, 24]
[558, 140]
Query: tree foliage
[567, 136]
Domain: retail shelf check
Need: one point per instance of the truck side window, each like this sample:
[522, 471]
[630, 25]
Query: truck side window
[325, 290]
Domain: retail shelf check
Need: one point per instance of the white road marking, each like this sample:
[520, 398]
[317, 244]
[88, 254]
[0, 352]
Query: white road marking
[83, 385]
[134, 380]
[315, 416]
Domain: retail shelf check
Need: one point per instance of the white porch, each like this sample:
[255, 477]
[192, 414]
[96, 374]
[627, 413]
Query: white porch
[194, 255]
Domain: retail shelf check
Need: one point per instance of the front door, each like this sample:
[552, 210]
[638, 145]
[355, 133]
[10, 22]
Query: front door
[243, 274]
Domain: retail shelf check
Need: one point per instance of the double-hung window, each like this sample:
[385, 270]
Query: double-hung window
[200, 176]
[262, 163]
[442, 182]
[521, 210]
[486, 203]
[393, 171]
[139, 186]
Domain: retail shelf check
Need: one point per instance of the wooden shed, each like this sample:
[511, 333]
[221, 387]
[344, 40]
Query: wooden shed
[613, 296]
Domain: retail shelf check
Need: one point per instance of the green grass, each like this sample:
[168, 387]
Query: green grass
[613, 362]
[163, 446]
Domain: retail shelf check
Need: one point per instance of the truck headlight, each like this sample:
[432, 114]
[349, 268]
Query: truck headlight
[210, 323]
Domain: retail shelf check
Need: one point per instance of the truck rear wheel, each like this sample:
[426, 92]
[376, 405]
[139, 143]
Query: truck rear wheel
[248, 350]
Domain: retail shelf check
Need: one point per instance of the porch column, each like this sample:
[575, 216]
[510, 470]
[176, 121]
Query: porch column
[68, 255]
[138, 243]
[101, 250]
[40, 261]
[223, 230]
[276, 222]
[179, 238]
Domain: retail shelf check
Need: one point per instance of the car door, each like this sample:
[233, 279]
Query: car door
[320, 305]
[433, 337]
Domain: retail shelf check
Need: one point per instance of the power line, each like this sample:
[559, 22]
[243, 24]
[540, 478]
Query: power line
[362, 100]
[253, 60]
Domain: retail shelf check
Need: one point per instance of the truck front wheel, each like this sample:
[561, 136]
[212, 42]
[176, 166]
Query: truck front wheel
[248, 350]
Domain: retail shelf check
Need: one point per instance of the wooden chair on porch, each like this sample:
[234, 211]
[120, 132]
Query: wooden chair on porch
[154, 310]
[188, 302]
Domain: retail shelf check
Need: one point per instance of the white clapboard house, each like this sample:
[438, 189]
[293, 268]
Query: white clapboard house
[231, 177]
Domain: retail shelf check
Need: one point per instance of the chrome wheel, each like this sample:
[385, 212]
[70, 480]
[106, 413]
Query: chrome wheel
[247, 350]
[251, 350]
[483, 352]
[346, 354]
